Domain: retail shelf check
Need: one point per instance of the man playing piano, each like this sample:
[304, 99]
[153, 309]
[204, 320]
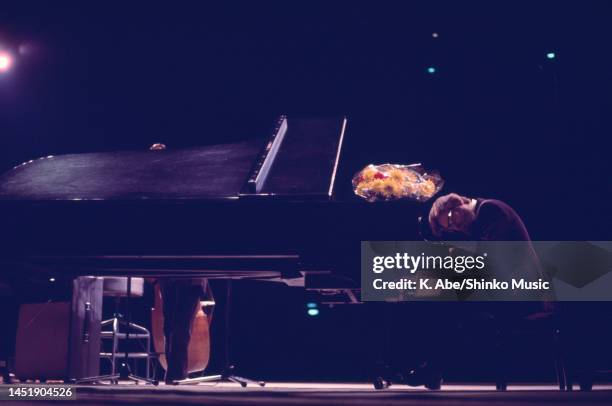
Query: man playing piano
[476, 219]
[459, 217]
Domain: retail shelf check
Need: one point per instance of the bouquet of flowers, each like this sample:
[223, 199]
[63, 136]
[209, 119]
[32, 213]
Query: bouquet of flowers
[392, 182]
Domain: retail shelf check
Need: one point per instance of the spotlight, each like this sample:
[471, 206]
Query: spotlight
[5, 61]
[311, 305]
[431, 70]
[313, 312]
[435, 35]
[551, 55]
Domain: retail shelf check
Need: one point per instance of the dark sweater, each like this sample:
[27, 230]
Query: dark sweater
[496, 221]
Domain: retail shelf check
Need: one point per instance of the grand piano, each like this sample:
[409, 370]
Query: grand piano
[275, 208]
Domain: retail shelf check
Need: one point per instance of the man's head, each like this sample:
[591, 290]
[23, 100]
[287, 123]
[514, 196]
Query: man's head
[452, 213]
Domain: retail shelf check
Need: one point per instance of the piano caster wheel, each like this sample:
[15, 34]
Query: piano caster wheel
[381, 383]
[243, 384]
[501, 386]
[261, 383]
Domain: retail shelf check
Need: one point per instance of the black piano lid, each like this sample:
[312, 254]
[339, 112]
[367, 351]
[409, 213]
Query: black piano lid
[304, 165]
[207, 172]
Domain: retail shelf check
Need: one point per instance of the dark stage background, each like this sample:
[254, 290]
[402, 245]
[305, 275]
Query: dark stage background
[497, 117]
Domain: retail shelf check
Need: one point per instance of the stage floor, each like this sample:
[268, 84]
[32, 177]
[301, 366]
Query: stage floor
[311, 393]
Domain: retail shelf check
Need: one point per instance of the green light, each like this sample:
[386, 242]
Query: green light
[313, 312]
[431, 70]
[551, 55]
[311, 305]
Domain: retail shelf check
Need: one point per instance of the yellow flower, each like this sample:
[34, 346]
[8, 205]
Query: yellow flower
[393, 189]
[427, 188]
[397, 175]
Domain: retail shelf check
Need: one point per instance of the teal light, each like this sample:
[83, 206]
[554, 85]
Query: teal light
[551, 55]
[431, 70]
[313, 312]
[311, 305]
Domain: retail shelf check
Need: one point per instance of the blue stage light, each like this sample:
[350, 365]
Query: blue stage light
[311, 305]
[551, 55]
[431, 70]
[313, 312]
